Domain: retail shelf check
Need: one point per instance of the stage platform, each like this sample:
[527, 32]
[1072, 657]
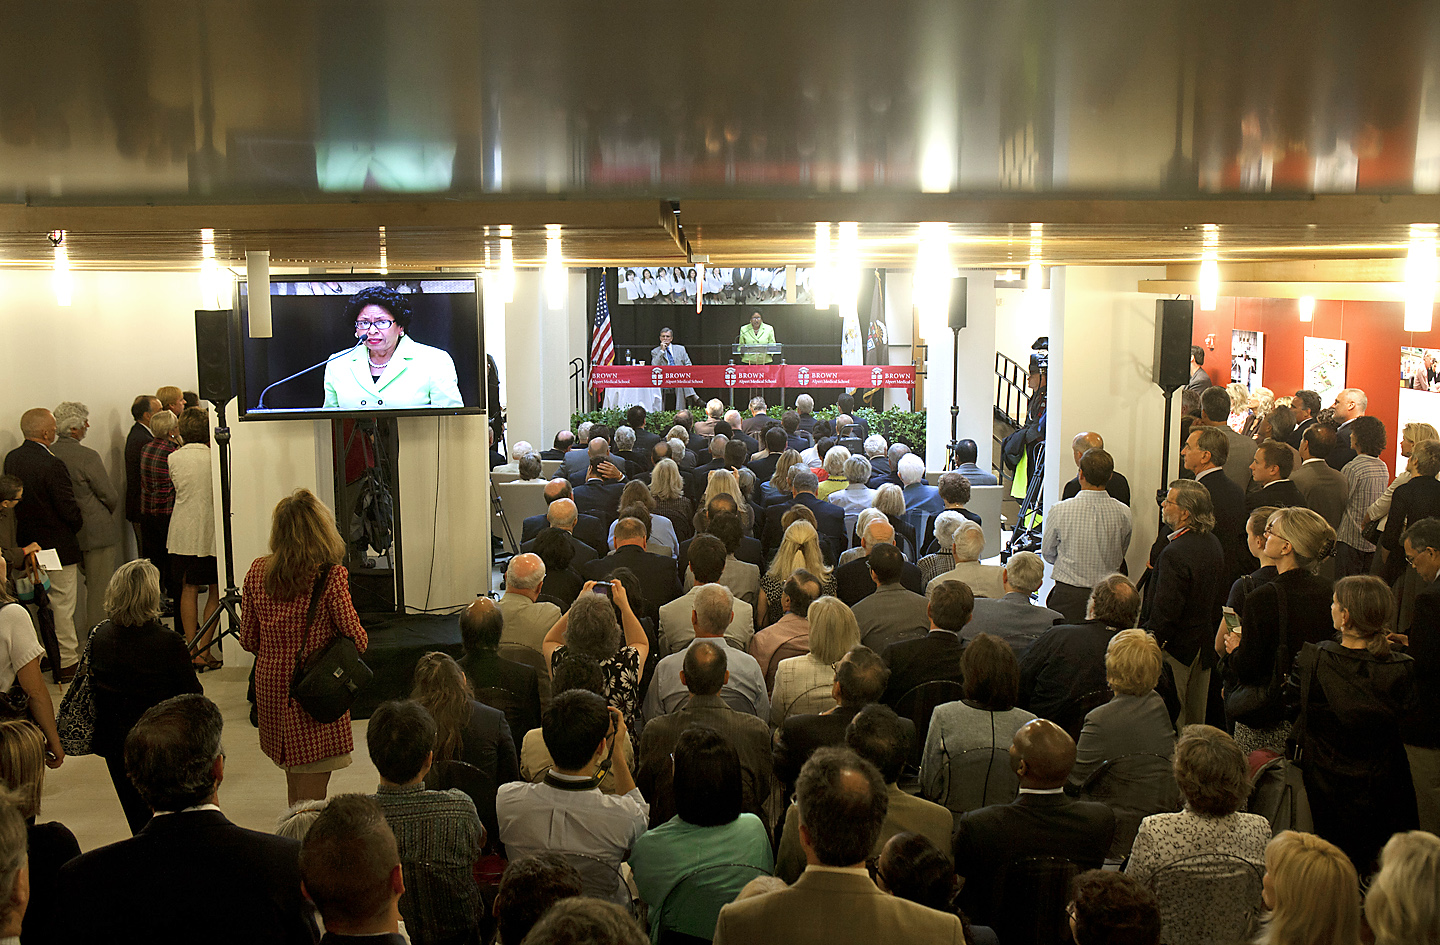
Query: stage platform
[397, 641]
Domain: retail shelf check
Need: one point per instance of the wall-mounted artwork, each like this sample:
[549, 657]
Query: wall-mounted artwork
[1325, 367]
[1247, 358]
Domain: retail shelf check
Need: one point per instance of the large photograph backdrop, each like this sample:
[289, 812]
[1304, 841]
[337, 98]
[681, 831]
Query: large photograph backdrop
[810, 336]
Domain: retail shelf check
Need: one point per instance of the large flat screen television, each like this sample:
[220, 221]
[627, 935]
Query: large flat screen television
[378, 345]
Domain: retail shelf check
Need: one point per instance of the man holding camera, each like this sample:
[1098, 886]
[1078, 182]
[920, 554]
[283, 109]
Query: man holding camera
[565, 812]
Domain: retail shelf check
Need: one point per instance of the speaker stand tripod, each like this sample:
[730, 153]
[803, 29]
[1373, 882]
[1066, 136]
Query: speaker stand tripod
[230, 600]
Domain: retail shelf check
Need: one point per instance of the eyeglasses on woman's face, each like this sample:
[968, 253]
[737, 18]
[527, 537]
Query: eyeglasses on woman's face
[381, 324]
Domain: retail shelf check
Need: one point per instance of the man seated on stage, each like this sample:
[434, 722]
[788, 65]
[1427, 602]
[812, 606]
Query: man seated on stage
[757, 333]
[672, 355]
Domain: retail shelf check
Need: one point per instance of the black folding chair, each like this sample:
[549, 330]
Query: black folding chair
[919, 703]
[478, 786]
[1224, 889]
[1030, 900]
[1134, 786]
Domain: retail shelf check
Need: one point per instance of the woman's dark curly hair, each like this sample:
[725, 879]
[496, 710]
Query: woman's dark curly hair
[391, 301]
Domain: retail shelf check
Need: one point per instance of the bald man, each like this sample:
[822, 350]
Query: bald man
[50, 516]
[587, 529]
[517, 689]
[1118, 486]
[527, 619]
[563, 515]
[1042, 821]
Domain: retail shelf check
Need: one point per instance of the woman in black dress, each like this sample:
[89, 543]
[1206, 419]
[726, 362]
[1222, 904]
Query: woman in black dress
[135, 662]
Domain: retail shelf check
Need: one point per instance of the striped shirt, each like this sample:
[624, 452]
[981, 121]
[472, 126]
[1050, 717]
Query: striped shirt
[157, 491]
[439, 837]
[1366, 478]
[1086, 537]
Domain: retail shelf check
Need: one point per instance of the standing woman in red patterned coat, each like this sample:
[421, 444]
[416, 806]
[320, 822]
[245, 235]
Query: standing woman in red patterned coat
[276, 598]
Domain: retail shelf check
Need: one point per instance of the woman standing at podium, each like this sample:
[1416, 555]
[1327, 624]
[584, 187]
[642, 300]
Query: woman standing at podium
[757, 333]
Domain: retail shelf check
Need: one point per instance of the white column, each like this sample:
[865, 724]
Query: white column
[975, 393]
[1102, 345]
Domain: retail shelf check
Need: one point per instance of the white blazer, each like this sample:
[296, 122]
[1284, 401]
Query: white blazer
[417, 376]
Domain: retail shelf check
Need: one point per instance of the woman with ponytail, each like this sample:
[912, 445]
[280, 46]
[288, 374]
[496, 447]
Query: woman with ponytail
[1347, 699]
[1276, 620]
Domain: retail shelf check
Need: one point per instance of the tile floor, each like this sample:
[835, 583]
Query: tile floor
[80, 796]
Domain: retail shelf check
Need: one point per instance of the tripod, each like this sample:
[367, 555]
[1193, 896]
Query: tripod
[952, 449]
[230, 600]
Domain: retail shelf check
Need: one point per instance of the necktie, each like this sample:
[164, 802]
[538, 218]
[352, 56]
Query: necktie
[669, 359]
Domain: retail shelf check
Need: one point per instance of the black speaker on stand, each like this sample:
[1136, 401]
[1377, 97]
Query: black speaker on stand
[215, 350]
[1174, 326]
[959, 302]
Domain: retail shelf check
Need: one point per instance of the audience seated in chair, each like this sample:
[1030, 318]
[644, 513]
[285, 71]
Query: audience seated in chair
[1109, 908]
[893, 612]
[912, 867]
[512, 687]
[1013, 617]
[438, 833]
[587, 920]
[712, 614]
[843, 801]
[350, 867]
[528, 888]
[982, 579]
[803, 683]
[937, 654]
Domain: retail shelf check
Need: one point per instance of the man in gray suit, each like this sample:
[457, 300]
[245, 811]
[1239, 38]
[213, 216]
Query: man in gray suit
[892, 613]
[527, 619]
[669, 354]
[98, 498]
[843, 802]
[1012, 617]
[1324, 489]
[1215, 410]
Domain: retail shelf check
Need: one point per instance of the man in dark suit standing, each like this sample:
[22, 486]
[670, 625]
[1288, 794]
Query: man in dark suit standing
[1350, 405]
[659, 583]
[1204, 455]
[829, 519]
[854, 582]
[1118, 487]
[1215, 404]
[188, 851]
[1199, 381]
[1305, 405]
[1187, 590]
[1420, 726]
[49, 516]
[1271, 470]
[937, 654]
[1324, 489]
[1042, 821]
[141, 410]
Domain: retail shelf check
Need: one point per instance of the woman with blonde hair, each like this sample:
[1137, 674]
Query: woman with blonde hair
[1402, 905]
[667, 487]
[1411, 436]
[1419, 498]
[779, 485]
[724, 481]
[803, 684]
[51, 845]
[1261, 400]
[890, 499]
[834, 466]
[1239, 405]
[800, 548]
[466, 730]
[1348, 699]
[135, 662]
[1135, 719]
[1312, 892]
[304, 564]
[1277, 618]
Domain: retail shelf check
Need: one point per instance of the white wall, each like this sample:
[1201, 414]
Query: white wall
[899, 328]
[539, 343]
[1102, 343]
[130, 333]
[976, 366]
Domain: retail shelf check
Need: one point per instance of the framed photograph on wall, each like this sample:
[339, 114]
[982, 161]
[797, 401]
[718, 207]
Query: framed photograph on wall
[1325, 367]
[1247, 358]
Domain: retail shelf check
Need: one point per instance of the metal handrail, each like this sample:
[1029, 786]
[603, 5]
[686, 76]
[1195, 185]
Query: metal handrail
[577, 385]
[1012, 395]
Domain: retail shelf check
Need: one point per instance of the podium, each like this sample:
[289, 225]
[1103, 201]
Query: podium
[770, 350]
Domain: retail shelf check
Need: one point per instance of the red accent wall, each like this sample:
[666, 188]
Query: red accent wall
[1375, 331]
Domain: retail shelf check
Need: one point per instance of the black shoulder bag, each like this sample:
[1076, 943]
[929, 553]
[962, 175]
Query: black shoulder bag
[327, 682]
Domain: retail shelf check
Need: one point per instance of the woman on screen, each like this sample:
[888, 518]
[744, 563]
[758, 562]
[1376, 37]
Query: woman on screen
[390, 369]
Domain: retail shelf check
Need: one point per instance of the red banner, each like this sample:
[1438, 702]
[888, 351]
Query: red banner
[754, 375]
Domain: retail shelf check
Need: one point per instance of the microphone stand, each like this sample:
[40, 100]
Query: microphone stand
[260, 404]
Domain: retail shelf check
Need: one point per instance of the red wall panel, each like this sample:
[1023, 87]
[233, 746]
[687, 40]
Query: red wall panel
[1375, 331]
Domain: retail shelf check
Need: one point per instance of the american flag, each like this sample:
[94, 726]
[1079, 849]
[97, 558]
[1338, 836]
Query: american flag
[602, 346]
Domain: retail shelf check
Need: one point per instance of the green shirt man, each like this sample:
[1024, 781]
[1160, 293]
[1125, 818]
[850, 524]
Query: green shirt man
[757, 333]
